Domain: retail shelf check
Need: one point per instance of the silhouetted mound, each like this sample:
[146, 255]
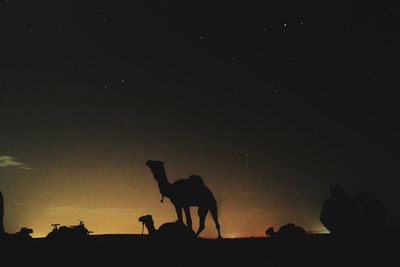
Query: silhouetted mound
[76, 232]
[171, 230]
[288, 232]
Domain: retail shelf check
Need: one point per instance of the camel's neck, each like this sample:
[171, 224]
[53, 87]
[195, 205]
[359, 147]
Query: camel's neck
[162, 180]
[150, 227]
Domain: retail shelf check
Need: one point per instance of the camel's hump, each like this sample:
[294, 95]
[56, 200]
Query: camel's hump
[192, 180]
[196, 179]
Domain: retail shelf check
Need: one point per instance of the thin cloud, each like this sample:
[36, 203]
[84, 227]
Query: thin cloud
[10, 162]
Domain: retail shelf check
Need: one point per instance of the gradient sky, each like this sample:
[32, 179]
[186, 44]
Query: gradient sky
[270, 103]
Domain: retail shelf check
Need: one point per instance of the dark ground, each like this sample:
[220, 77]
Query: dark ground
[137, 250]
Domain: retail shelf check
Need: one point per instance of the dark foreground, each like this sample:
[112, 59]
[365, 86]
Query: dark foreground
[136, 250]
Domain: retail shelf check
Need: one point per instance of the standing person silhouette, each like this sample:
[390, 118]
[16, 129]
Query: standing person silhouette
[338, 213]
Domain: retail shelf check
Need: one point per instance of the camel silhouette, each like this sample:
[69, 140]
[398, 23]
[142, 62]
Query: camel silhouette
[171, 230]
[287, 231]
[23, 234]
[69, 232]
[186, 193]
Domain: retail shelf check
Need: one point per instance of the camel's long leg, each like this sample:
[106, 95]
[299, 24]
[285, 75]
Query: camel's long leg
[188, 217]
[214, 213]
[202, 215]
[179, 213]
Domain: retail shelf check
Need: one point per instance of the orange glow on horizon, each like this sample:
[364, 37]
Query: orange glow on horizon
[110, 198]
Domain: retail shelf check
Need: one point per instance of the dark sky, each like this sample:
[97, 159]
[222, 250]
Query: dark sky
[269, 101]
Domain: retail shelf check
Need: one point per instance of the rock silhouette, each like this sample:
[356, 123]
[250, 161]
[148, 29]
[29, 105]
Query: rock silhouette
[287, 231]
[75, 232]
[338, 213]
[186, 193]
[171, 230]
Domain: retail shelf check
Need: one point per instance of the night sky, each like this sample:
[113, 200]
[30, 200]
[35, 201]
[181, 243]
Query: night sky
[269, 101]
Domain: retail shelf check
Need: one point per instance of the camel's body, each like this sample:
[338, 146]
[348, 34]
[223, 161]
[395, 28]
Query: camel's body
[186, 193]
[170, 230]
[23, 234]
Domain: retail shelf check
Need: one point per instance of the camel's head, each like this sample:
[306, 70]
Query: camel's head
[26, 231]
[157, 167]
[146, 218]
[363, 197]
[337, 191]
[270, 231]
[155, 164]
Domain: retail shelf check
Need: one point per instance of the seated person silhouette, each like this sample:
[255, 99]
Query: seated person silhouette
[373, 214]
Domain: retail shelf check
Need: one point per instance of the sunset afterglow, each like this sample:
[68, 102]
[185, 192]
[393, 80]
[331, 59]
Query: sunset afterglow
[270, 103]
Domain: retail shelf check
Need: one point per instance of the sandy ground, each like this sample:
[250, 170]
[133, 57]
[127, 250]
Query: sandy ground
[137, 250]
